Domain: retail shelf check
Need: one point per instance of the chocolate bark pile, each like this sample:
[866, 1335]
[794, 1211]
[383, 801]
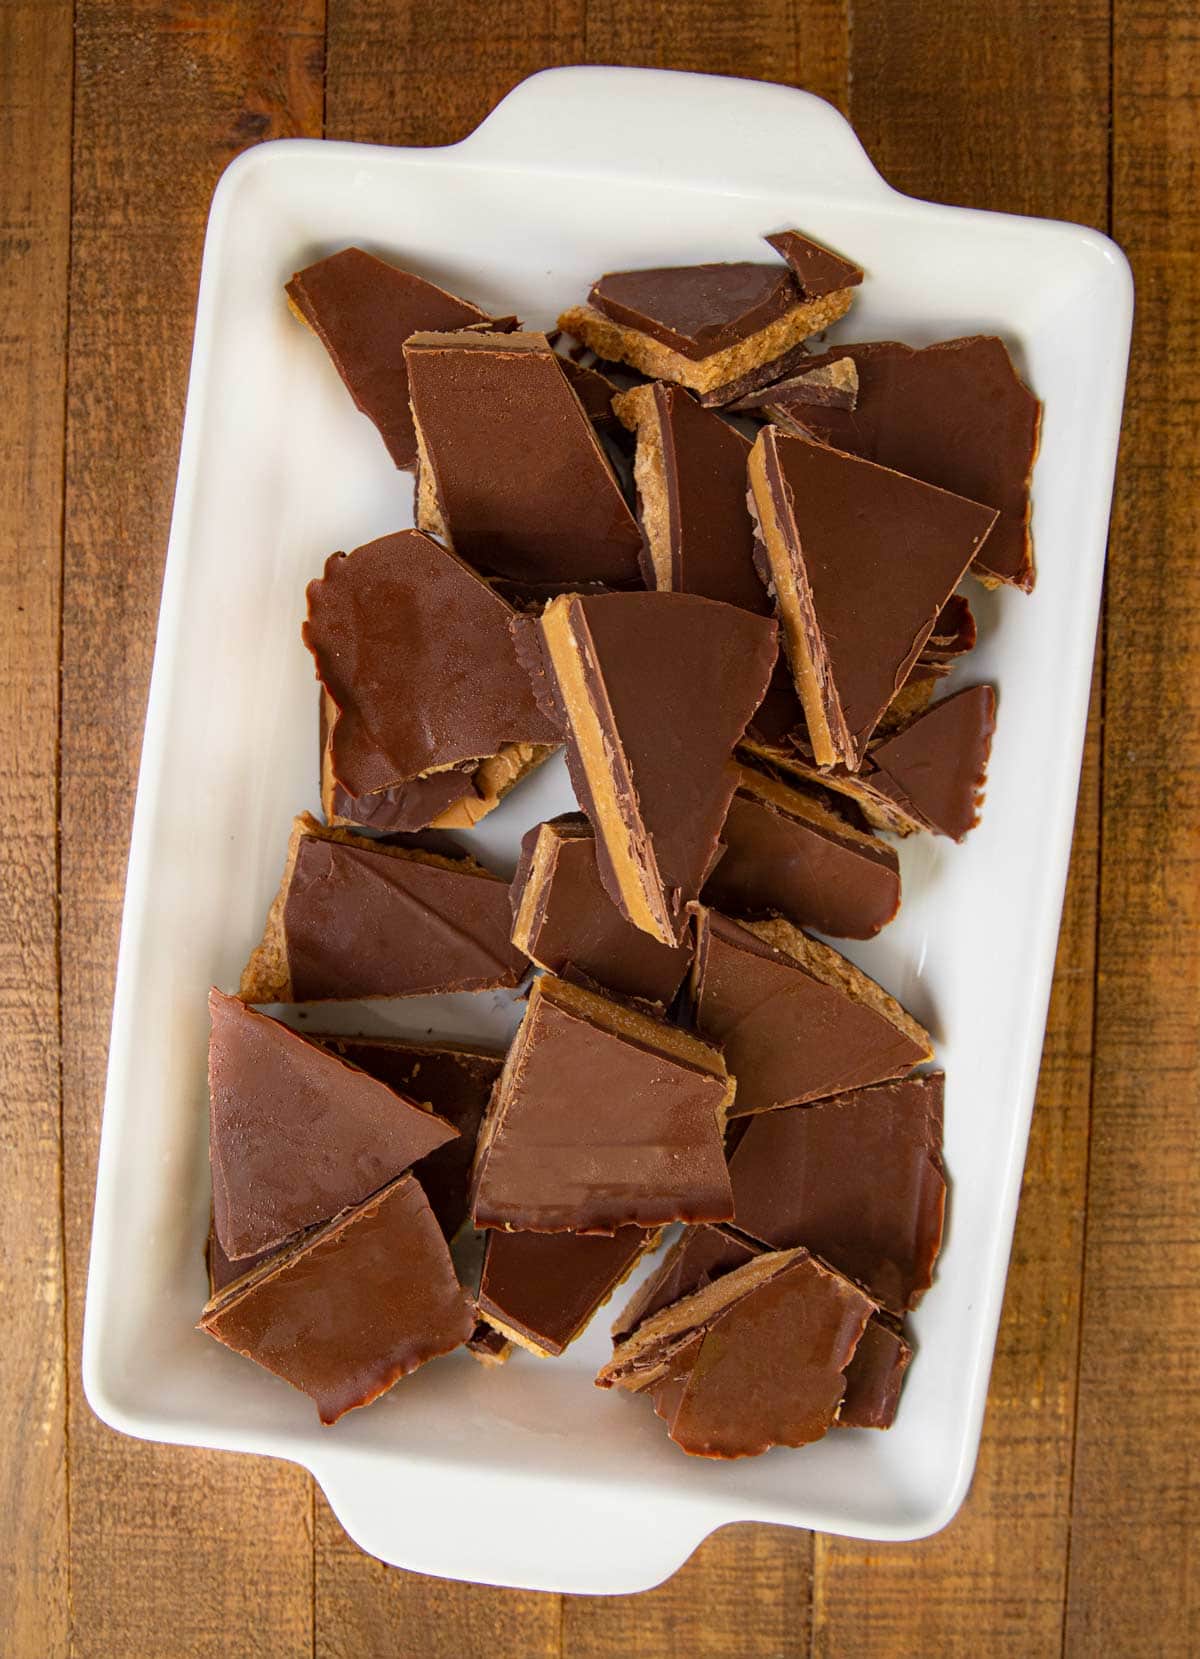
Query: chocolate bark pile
[719, 566]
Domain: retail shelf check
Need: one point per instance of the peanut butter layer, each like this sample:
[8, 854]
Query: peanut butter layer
[690, 471]
[858, 1178]
[414, 650]
[362, 310]
[795, 1020]
[513, 476]
[816, 268]
[955, 414]
[787, 854]
[654, 690]
[565, 921]
[935, 768]
[352, 1308]
[353, 918]
[603, 1118]
[861, 562]
[295, 1133]
[698, 1256]
[874, 1377]
[754, 1360]
[541, 1289]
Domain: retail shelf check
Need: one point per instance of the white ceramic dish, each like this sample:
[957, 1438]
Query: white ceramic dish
[529, 1476]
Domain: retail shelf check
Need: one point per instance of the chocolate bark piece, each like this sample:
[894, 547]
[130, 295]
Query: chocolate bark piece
[698, 1256]
[453, 1081]
[831, 384]
[690, 471]
[935, 768]
[414, 650]
[954, 633]
[488, 1345]
[875, 1376]
[539, 1290]
[786, 854]
[362, 310]
[221, 1270]
[955, 414]
[565, 921]
[858, 1178]
[296, 1133]
[353, 1307]
[816, 268]
[654, 690]
[795, 1020]
[755, 1359]
[353, 918]
[602, 1118]
[861, 561]
[512, 474]
[778, 721]
[594, 390]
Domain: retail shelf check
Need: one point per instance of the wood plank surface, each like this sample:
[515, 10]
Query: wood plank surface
[35, 218]
[172, 1552]
[1133, 1567]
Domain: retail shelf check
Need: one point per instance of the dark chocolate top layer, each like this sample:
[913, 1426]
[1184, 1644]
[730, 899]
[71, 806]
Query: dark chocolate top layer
[936, 766]
[880, 554]
[594, 390]
[405, 808]
[573, 924]
[456, 1083]
[787, 1036]
[415, 650]
[295, 1132]
[358, 1305]
[362, 921]
[874, 1377]
[523, 486]
[596, 1126]
[363, 309]
[955, 414]
[697, 309]
[222, 1271]
[546, 1286]
[817, 269]
[698, 1256]
[858, 1178]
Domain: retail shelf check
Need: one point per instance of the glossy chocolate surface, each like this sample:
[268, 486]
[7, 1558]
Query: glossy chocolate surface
[698, 1257]
[697, 309]
[874, 1377]
[817, 269]
[545, 1287]
[935, 768]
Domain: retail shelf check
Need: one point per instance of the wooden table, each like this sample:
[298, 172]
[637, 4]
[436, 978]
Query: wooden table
[115, 120]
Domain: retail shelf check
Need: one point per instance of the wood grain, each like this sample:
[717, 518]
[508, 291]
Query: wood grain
[35, 218]
[1132, 1580]
[173, 1552]
[938, 96]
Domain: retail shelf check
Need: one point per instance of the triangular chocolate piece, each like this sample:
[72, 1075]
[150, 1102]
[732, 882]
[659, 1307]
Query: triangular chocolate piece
[857, 1178]
[832, 384]
[698, 1256]
[296, 1133]
[955, 414]
[352, 1307]
[690, 471]
[362, 310]
[874, 1377]
[861, 560]
[655, 689]
[541, 1289]
[795, 1020]
[415, 650]
[935, 768]
[817, 269]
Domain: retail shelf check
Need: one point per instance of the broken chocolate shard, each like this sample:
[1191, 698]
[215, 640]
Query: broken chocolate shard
[512, 474]
[353, 1307]
[594, 390]
[362, 310]
[935, 768]
[488, 1345]
[296, 1133]
[353, 918]
[603, 1118]
[540, 1289]
[830, 385]
[786, 854]
[955, 414]
[858, 1178]
[564, 920]
[861, 561]
[816, 268]
[452, 1081]
[698, 1256]
[648, 757]
[874, 1377]
[756, 1359]
[415, 652]
[795, 1020]
[690, 471]
[221, 1270]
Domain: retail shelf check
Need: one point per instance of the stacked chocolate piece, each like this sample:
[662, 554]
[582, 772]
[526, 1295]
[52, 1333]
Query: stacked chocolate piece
[740, 654]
